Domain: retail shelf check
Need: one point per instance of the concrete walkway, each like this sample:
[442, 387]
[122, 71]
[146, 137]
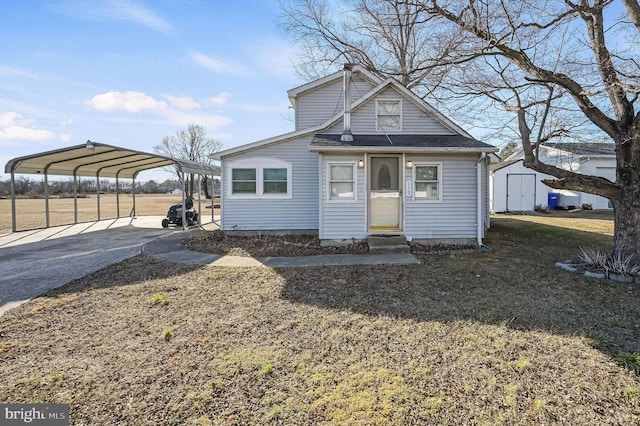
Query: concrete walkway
[33, 262]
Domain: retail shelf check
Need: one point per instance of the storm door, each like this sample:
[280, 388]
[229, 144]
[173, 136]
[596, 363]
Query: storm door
[384, 193]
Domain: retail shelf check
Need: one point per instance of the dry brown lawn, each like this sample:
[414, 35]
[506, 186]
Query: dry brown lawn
[30, 213]
[499, 338]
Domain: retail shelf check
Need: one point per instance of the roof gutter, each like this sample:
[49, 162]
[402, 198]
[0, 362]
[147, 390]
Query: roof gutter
[399, 148]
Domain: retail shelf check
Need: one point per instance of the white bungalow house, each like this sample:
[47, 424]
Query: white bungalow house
[517, 188]
[367, 157]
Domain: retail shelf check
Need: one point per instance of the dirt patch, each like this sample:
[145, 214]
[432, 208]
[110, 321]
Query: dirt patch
[218, 242]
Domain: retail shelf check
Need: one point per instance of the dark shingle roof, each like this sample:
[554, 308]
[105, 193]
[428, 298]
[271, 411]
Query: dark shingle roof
[579, 148]
[401, 141]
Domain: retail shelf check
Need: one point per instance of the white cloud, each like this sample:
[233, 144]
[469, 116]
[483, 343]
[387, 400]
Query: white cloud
[125, 101]
[221, 99]
[117, 10]
[8, 71]
[15, 133]
[183, 102]
[130, 11]
[217, 65]
[9, 118]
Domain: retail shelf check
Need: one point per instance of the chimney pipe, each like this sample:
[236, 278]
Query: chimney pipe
[346, 134]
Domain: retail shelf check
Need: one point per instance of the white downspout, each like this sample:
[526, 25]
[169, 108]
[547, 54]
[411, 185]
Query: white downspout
[480, 218]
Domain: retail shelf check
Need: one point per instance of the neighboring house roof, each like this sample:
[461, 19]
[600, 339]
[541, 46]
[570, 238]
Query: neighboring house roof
[586, 149]
[463, 136]
[332, 142]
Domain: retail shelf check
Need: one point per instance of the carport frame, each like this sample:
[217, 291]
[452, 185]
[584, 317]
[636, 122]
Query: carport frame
[94, 159]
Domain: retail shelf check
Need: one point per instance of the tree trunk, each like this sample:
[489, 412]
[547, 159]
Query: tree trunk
[626, 236]
[205, 184]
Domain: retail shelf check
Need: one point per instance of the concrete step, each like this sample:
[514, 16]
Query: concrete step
[387, 244]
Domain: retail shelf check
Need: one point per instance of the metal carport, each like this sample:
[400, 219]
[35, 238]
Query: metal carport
[99, 160]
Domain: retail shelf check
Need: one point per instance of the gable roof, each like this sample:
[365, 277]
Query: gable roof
[338, 75]
[382, 85]
[407, 142]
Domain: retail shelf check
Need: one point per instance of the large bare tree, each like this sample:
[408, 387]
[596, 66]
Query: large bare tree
[556, 69]
[191, 144]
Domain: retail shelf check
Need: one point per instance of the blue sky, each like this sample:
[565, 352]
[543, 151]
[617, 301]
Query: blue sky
[129, 72]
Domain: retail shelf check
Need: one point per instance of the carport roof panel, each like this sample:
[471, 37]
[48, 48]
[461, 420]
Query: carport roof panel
[93, 158]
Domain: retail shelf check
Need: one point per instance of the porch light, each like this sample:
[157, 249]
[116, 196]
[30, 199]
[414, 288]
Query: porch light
[361, 164]
[409, 164]
[90, 146]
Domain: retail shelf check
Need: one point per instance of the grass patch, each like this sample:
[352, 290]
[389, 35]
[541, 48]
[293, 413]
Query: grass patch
[483, 338]
[160, 299]
[629, 361]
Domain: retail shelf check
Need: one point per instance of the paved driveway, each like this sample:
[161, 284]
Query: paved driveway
[32, 262]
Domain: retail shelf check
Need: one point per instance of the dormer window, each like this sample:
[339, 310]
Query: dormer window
[388, 116]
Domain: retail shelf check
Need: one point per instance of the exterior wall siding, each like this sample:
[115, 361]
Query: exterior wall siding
[414, 119]
[318, 106]
[456, 216]
[345, 219]
[300, 212]
[605, 167]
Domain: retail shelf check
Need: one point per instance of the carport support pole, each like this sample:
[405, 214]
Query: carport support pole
[46, 198]
[200, 199]
[133, 192]
[13, 202]
[213, 198]
[98, 193]
[184, 211]
[75, 198]
[117, 198]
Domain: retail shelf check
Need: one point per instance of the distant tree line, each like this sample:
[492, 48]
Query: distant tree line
[25, 186]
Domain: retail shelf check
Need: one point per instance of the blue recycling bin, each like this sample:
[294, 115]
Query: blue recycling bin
[553, 200]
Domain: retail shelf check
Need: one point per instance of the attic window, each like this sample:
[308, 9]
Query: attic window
[388, 116]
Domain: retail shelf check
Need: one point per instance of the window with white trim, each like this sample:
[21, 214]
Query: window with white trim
[261, 179]
[388, 115]
[274, 181]
[243, 181]
[342, 181]
[427, 179]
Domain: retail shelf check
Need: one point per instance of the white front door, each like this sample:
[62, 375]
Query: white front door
[385, 194]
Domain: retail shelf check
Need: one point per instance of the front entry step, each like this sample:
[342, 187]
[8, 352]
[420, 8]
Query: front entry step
[387, 244]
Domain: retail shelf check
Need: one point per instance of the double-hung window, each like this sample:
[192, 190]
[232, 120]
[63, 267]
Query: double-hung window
[243, 181]
[428, 181]
[388, 116]
[342, 181]
[260, 179]
[274, 180]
